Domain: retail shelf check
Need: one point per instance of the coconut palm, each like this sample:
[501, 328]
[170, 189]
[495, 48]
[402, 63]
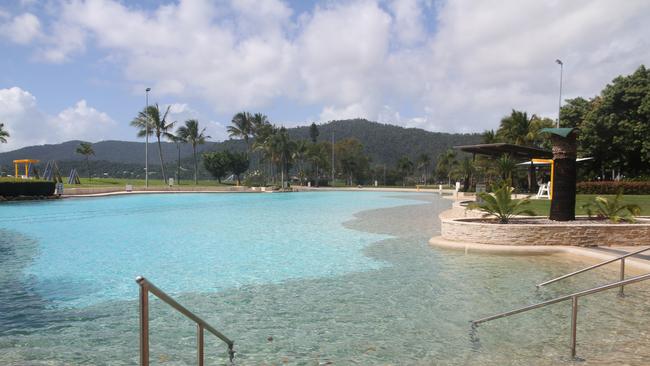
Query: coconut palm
[423, 162]
[151, 120]
[446, 163]
[299, 155]
[242, 127]
[178, 140]
[281, 148]
[3, 134]
[405, 166]
[466, 170]
[506, 167]
[86, 149]
[192, 135]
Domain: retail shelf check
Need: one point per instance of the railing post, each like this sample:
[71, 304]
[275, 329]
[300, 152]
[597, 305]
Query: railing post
[144, 325]
[199, 344]
[620, 291]
[574, 325]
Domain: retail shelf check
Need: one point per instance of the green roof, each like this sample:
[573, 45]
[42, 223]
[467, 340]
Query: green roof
[564, 132]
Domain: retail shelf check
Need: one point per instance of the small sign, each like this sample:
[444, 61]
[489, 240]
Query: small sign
[480, 187]
[58, 189]
[170, 181]
[457, 186]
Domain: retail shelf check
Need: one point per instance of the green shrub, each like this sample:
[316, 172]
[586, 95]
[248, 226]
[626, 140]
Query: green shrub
[613, 187]
[27, 188]
[612, 209]
[501, 205]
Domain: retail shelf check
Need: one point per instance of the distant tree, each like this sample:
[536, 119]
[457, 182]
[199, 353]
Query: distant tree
[405, 167]
[466, 170]
[150, 120]
[423, 163]
[299, 155]
[281, 147]
[259, 125]
[313, 132]
[217, 164]
[237, 164]
[86, 149]
[178, 140]
[194, 136]
[318, 155]
[3, 134]
[490, 137]
[445, 164]
[351, 159]
[506, 167]
[574, 112]
[242, 127]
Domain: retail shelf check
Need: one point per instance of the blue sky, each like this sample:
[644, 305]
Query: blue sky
[77, 69]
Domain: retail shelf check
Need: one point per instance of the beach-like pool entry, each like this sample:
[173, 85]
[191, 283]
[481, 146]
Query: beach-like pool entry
[306, 278]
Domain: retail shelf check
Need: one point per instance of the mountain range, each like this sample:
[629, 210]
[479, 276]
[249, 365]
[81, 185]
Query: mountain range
[383, 143]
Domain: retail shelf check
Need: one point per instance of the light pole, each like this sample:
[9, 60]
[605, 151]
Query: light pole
[146, 144]
[559, 106]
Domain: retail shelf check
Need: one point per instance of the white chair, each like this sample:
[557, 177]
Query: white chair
[544, 190]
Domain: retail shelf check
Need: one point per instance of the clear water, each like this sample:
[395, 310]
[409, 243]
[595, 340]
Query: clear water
[309, 278]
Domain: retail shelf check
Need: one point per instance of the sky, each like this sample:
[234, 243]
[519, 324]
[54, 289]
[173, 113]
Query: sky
[78, 69]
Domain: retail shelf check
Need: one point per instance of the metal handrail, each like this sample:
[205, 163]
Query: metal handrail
[147, 287]
[574, 313]
[622, 271]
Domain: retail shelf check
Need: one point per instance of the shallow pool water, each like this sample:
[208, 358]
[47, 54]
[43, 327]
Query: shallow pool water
[308, 278]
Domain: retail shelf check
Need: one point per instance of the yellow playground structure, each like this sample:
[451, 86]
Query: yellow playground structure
[26, 163]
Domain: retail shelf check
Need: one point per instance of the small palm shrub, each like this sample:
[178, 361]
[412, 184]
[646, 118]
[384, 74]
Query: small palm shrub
[612, 209]
[501, 205]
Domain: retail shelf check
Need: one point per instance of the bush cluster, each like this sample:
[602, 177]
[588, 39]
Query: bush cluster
[27, 188]
[613, 187]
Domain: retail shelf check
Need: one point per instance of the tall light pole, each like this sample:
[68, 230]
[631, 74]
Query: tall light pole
[146, 144]
[559, 106]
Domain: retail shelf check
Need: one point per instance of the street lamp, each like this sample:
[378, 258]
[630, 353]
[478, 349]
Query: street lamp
[559, 107]
[146, 144]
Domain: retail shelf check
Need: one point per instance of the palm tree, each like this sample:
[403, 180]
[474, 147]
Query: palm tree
[446, 162]
[514, 128]
[86, 149]
[466, 169]
[242, 127]
[191, 134]
[281, 148]
[506, 166]
[150, 120]
[3, 134]
[563, 204]
[404, 165]
[178, 140]
[423, 162]
[299, 154]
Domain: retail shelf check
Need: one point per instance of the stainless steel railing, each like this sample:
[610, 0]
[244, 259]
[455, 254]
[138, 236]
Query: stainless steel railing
[621, 275]
[147, 287]
[574, 299]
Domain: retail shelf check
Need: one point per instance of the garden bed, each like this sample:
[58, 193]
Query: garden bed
[541, 231]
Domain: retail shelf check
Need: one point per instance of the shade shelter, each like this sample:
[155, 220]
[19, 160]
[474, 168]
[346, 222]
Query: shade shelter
[26, 163]
[516, 151]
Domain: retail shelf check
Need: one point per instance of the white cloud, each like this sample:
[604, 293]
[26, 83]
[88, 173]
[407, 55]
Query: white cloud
[28, 125]
[456, 66]
[22, 29]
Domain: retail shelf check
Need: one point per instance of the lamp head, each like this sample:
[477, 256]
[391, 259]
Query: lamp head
[148, 89]
[559, 62]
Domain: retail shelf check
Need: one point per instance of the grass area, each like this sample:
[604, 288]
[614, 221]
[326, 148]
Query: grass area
[542, 207]
[122, 182]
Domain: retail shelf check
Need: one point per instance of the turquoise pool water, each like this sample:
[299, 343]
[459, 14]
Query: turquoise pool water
[308, 278]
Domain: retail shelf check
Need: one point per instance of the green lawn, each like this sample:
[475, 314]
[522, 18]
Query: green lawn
[542, 207]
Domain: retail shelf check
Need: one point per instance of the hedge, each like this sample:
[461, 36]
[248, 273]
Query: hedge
[27, 188]
[613, 187]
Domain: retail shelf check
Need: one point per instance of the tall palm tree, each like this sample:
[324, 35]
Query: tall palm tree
[563, 204]
[446, 163]
[506, 167]
[466, 170]
[178, 140]
[299, 155]
[3, 134]
[404, 165]
[86, 149]
[192, 135]
[515, 127]
[242, 127]
[157, 125]
[281, 148]
[423, 162]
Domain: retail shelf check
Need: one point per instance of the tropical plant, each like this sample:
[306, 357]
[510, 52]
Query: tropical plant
[178, 140]
[192, 134]
[466, 170]
[299, 155]
[351, 159]
[150, 120]
[506, 166]
[242, 127]
[237, 164]
[217, 163]
[86, 149]
[313, 132]
[501, 205]
[446, 163]
[281, 147]
[405, 166]
[423, 162]
[3, 134]
[612, 209]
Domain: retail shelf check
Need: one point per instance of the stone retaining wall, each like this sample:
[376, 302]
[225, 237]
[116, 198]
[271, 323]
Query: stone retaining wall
[473, 231]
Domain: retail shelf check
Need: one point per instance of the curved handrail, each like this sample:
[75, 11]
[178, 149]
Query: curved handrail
[621, 258]
[145, 288]
[574, 297]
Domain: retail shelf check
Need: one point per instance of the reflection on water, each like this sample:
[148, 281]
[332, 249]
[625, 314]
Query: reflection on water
[413, 309]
